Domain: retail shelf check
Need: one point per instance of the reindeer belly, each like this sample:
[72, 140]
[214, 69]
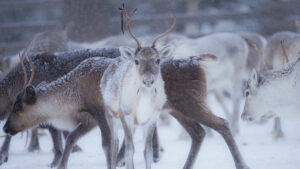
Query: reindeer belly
[64, 123]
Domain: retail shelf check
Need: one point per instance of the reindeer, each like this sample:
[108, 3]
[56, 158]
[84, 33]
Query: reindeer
[272, 92]
[48, 67]
[139, 85]
[274, 61]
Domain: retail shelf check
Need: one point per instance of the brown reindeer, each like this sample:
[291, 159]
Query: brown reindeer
[48, 67]
[139, 85]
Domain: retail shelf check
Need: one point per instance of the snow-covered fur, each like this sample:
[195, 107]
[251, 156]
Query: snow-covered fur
[272, 92]
[47, 41]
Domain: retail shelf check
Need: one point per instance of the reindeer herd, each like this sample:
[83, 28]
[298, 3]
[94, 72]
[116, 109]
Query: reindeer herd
[133, 84]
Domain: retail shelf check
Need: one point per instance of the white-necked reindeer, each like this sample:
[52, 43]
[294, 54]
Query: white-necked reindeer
[136, 88]
[133, 90]
[272, 92]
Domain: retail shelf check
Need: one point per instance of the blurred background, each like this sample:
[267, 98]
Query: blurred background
[92, 20]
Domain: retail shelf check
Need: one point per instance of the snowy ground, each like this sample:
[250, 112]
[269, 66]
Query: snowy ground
[255, 142]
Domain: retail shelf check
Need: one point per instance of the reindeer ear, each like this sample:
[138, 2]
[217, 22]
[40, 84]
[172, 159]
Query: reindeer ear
[29, 95]
[166, 52]
[126, 52]
[254, 78]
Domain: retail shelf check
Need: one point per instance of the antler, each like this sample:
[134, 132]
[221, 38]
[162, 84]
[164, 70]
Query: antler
[128, 19]
[24, 70]
[165, 33]
[258, 52]
[284, 51]
[32, 70]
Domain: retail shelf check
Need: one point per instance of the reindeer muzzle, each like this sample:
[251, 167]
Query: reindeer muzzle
[8, 130]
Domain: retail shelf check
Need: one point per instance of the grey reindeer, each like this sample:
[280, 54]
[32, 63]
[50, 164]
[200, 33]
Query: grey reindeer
[48, 67]
[67, 104]
[138, 86]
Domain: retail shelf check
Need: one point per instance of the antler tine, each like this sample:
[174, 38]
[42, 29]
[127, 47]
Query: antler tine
[258, 52]
[165, 33]
[128, 19]
[32, 70]
[284, 51]
[24, 70]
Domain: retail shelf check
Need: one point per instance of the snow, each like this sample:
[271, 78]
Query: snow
[256, 144]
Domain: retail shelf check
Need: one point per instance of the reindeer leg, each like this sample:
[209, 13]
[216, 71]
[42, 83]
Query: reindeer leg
[114, 141]
[157, 149]
[76, 147]
[236, 102]
[222, 104]
[128, 126]
[196, 132]
[34, 144]
[277, 130]
[121, 156]
[71, 140]
[208, 119]
[4, 150]
[57, 144]
[148, 151]
[100, 117]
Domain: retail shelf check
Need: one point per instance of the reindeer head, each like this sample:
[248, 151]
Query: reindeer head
[256, 106]
[258, 97]
[21, 117]
[147, 60]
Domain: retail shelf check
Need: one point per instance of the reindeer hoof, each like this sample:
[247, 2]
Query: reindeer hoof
[61, 167]
[76, 149]
[34, 148]
[121, 163]
[3, 157]
[277, 135]
[157, 157]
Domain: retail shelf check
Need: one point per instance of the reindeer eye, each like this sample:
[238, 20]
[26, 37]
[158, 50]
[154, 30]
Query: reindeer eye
[136, 62]
[158, 61]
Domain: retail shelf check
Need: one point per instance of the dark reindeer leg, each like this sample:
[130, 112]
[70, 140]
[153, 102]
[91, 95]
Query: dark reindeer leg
[4, 150]
[72, 138]
[34, 144]
[76, 148]
[157, 149]
[57, 144]
[208, 119]
[197, 134]
[99, 116]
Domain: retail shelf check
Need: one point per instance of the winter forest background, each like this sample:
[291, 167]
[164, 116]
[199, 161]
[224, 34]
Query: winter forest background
[92, 20]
